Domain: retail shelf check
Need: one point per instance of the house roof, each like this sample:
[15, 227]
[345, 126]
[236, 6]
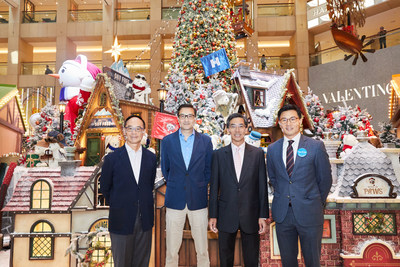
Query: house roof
[64, 189]
[9, 92]
[102, 81]
[364, 158]
[278, 88]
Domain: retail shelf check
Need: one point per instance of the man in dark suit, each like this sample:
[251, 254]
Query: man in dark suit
[238, 195]
[300, 173]
[186, 166]
[127, 181]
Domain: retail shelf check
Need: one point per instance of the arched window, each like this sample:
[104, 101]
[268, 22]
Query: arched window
[41, 242]
[101, 245]
[41, 195]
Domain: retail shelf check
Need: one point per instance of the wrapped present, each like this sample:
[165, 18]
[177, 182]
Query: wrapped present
[32, 160]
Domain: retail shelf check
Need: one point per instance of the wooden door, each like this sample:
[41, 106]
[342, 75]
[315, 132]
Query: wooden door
[187, 253]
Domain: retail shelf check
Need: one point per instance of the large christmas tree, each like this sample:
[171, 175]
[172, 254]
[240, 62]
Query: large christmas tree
[204, 27]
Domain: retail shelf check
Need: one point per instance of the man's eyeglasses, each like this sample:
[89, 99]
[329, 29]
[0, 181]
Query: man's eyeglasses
[186, 116]
[236, 126]
[290, 120]
[134, 129]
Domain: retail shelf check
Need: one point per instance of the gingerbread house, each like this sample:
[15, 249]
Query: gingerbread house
[262, 94]
[13, 122]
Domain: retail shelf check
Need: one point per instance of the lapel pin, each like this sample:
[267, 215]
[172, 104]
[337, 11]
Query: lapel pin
[302, 152]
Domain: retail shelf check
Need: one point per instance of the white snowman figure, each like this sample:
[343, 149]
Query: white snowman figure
[254, 139]
[141, 89]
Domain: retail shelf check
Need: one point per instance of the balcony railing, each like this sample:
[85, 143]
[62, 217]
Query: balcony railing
[4, 17]
[334, 53]
[39, 16]
[170, 13]
[3, 68]
[85, 15]
[132, 14]
[273, 10]
[135, 66]
[36, 68]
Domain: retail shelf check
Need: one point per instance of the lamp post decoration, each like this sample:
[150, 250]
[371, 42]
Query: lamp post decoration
[61, 107]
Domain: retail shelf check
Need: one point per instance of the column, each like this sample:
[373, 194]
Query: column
[66, 48]
[108, 31]
[156, 49]
[14, 50]
[300, 45]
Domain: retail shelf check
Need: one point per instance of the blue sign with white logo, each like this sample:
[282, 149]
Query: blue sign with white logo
[302, 152]
[215, 62]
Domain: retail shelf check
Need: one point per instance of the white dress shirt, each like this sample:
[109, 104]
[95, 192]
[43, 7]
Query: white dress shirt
[135, 157]
[241, 154]
[295, 146]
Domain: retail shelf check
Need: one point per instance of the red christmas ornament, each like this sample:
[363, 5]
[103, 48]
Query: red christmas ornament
[37, 122]
[343, 117]
[42, 115]
[44, 129]
[199, 121]
[316, 119]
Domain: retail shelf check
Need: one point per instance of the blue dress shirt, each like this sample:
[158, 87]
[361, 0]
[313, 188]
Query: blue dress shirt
[186, 147]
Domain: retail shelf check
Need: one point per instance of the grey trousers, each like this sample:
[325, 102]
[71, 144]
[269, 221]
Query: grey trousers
[132, 250]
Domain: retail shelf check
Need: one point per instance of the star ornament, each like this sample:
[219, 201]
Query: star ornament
[115, 50]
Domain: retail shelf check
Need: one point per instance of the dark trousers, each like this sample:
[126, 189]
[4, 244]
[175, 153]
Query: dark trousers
[132, 250]
[382, 42]
[288, 233]
[250, 248]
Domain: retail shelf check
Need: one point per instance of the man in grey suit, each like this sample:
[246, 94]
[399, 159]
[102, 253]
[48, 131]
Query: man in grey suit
[300, 173]
[238, 195]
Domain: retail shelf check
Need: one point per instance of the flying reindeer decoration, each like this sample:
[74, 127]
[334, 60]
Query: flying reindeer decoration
[348, 11]
[351, 44]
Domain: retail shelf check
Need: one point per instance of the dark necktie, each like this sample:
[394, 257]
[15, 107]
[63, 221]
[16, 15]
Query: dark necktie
[289, 158]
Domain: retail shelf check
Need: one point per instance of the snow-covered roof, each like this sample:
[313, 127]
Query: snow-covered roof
[64, 189]
[277, 88]
[363, 159]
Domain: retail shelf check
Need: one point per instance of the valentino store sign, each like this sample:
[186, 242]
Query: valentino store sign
[360, 93]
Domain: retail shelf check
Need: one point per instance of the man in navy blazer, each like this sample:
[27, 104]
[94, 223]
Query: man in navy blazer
[300, 173]
[127, 182]
[186, 166]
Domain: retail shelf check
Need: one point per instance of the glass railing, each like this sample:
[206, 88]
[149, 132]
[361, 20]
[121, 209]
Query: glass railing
[165, 64]
[37, 68]
[132, 14]
[39, 16]
[97, 63]
[334, 53]
[273, 10]
[279, 63]
[4, 18]
[169, 13]
[3, 68]
[85, 15]
[138, 66]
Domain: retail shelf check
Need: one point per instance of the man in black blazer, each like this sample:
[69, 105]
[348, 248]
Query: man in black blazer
[238, 195]
[127, 182]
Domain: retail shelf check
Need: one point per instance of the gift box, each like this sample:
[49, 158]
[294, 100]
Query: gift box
[32, 160]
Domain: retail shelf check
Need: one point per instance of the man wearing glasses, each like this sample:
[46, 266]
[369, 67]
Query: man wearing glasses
[238, 195]
[186, 166]
[300, 173]
[127, 181]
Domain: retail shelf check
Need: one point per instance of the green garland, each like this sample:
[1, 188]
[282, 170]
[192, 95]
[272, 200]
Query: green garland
[374, 221]
[86, 259]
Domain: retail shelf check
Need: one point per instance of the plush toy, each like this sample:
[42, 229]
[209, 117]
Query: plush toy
[225, 103]
[226, 139]
[349, 141]
[254, 139]
[112, 142]
[139, 90]
[51, 149]
[77, 78]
